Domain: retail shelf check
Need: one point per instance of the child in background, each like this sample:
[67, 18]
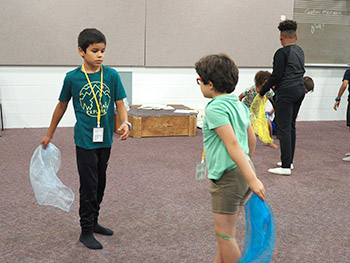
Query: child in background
[309, 84]
[94, 89]
[249, 94]
[229, 143]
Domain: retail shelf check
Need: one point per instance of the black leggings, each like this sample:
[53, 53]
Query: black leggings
[287, 108]
[92, 166]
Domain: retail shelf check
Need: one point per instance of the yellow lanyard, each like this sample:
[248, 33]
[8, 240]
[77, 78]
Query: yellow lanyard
[98, 104]
[203, 157]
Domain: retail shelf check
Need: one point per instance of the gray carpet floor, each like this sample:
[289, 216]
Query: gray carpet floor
[160, 213]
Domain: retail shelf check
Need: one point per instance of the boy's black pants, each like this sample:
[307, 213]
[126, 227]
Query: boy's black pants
[287, 108]
[92, 166]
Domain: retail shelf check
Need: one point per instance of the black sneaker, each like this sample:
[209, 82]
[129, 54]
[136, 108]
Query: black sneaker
[103, 230]
[90, 241]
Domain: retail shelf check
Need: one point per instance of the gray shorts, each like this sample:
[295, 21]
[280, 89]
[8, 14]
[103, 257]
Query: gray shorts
[229, 192]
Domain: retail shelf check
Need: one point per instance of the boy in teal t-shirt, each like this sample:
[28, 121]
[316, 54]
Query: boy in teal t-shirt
[94, 89]
[229, 143]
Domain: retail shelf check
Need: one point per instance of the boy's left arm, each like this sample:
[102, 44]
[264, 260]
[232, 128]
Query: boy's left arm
[123, 115]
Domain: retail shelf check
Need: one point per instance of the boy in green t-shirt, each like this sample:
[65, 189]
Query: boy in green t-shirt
[94, 88]
[229, 143]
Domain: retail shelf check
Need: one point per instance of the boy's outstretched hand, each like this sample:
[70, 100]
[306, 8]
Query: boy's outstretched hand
[125, 128]
[257, 187]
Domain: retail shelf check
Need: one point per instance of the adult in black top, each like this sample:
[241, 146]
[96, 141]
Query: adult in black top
[287, 77]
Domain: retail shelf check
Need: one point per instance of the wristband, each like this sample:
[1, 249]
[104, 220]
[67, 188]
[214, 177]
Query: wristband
[128, 123]
[337, 99]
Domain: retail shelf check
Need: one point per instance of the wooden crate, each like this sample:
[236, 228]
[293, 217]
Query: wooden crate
[152, 123]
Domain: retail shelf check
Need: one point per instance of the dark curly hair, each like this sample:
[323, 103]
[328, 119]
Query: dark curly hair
[220, 70]
[260, 77]
[90, 36]
[309, 84]
[288, 28]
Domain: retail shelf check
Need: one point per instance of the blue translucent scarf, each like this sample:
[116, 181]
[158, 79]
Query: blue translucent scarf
[260, 232]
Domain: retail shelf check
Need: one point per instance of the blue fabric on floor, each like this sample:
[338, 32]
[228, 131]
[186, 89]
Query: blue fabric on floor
[260, 232]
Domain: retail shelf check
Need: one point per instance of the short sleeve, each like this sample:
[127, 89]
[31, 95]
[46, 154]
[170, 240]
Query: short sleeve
[216, 117]
[120, 91]
[246, 92]
[346, 75]
[66, 92]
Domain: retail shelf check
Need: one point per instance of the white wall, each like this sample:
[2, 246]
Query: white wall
[29, 94]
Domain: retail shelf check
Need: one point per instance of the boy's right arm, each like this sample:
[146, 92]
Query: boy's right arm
[227, 135]
[56, 118]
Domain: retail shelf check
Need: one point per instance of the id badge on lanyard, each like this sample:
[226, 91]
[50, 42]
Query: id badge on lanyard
[97, 135]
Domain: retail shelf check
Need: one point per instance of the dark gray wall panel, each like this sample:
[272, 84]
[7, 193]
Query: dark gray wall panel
[151, 33]
[180, 32]
[44, 32]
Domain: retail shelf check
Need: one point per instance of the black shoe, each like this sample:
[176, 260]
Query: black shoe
[90, 241]
[103, 230]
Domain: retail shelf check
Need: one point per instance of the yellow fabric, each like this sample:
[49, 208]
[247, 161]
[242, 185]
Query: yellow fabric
[258, 119]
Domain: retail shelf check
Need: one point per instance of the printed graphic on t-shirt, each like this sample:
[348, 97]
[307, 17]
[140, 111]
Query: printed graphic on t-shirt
[88, 102]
